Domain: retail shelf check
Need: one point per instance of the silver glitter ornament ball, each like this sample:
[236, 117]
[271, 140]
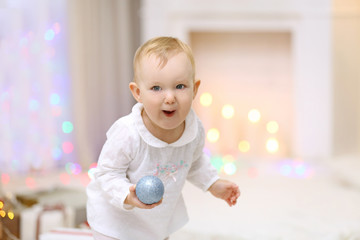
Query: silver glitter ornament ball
[149, 189]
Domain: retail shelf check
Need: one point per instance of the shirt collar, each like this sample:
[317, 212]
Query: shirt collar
[189, 134]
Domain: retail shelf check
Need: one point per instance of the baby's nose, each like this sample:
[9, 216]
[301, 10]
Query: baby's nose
[169, 97]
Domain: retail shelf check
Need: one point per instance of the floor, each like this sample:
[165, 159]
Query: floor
[288, 199]
[280, 200]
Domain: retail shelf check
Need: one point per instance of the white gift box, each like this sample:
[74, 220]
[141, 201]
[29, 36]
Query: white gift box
[67, 234]
[59, 208]
[38, 219]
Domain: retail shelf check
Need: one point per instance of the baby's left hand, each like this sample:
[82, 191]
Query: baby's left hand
[225, 190]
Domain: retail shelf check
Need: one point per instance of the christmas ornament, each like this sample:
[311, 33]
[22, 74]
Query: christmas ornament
[149, 189]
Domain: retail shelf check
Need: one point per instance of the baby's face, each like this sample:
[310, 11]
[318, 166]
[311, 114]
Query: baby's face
[167, 93]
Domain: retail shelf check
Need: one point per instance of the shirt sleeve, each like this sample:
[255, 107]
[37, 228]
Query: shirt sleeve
[113, 163]
[202, 174]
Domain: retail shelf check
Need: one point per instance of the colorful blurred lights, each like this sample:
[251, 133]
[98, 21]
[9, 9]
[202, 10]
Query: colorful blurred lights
[49, 35]
[73, 168]
[286, 170]
[228, 111]
[54, 99]
[217, 162]
[244, 146]
[272, 145]
[30, 182]
[229, 168]
[33, 105]
[56, 153]
[11, 215]
[56, 111]
[295, 168]
[254, 115]
[5, 178]
[228, 159]
[65, 178]
[67, 127]
[67, 147]
[272, 127]
[213, 135]
[92, 170]
[56, 27]
[300, 169]
[206, 99]
[91, 173]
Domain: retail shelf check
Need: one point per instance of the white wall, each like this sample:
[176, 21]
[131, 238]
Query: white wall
[346, 60]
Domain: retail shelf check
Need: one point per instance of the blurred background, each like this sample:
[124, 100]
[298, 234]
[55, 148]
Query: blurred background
[279, 100]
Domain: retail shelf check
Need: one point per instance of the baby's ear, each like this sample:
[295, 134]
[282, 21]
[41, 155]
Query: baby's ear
[135, 90]
[196, 87]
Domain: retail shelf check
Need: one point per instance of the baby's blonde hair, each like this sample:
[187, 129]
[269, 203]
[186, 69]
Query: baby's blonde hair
[163, 48]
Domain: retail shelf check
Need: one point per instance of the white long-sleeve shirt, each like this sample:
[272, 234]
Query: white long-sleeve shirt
[132, 152]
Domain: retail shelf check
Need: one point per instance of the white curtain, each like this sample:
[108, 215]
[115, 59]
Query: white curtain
[33, 87]
[103, 38]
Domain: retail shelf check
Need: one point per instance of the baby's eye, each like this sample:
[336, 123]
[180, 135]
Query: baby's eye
[180, 86]
[156, 88]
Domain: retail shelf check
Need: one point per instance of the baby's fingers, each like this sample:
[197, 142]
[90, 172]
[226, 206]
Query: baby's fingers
[150, 206]
[132, 188]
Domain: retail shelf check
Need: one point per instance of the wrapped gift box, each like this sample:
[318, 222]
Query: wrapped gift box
[67, 234]
[39, 212]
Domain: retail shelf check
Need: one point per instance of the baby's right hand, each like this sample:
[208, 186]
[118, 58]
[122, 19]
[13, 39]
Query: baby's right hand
[133, 200]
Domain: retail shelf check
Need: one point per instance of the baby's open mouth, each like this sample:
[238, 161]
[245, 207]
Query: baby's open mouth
[169, 113]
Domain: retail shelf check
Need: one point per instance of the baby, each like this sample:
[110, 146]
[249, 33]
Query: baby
[162, 136]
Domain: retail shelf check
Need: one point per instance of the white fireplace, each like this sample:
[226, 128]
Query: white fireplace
[306, 83]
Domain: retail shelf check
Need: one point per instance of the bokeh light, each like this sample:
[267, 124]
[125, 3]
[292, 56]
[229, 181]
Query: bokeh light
[56, 153]
[33, 105]
[272, 145]
[5, 178]
[207, 151]
[92, 170]
[37, 88]
[54, 99]
[11, 215]
[244, 146]
[295, 168]
[67, 147]
[228, 159]
[286, 170]
[300, 169]
[56, 111]
[206, 99]
[227, 111]
[67, 127]
[73, 168]
[254, 115]
[56, 27]
[217, 162]
[49, 35]
[65, 178]
[30, 182]
[230, 168]
[213, 135]
[272, 127]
